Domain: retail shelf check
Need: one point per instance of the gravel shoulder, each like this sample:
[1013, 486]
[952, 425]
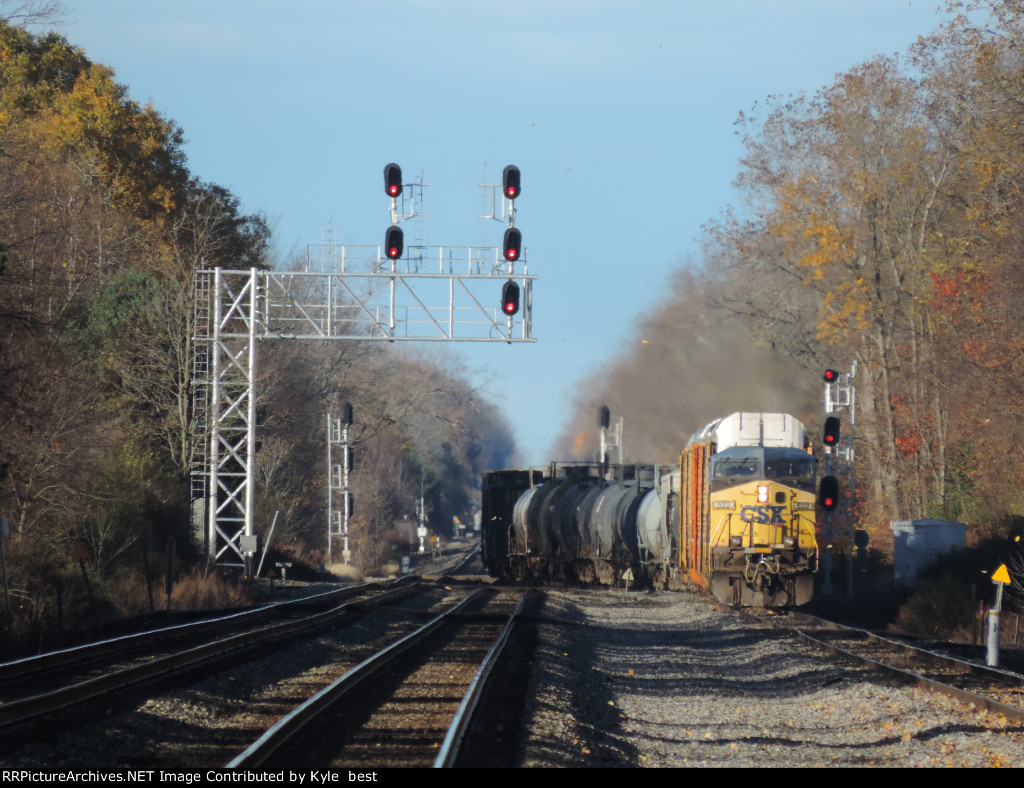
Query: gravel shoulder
[666, 680]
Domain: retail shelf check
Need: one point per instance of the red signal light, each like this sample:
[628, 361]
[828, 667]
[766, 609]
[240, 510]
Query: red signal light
[392, 180]
[394, 242]
[510, 181]
[832, 431]
[510, 298]
[512, 244]
[828, 493]
[830, 376]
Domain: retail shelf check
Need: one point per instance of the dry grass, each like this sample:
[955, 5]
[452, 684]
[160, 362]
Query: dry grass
[205, 588]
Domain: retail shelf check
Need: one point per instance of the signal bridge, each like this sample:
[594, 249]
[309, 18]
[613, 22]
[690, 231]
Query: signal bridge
[388, 293]
[434, 293]
[441, 294]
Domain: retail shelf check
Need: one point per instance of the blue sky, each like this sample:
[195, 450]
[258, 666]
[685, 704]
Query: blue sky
[618, 112]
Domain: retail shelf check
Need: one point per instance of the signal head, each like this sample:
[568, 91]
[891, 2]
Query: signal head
[512, 246]
[392, 180]
[510, 182]
[394, 242]
[830, 376]
[832, 431]
[828, 493]
[510, 298]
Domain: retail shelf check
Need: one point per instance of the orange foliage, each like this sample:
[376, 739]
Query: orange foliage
[909, 444]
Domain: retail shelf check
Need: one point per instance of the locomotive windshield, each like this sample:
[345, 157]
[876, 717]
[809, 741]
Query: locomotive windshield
[727, 469]
[739, 465]
[794, 472]
[791, 470]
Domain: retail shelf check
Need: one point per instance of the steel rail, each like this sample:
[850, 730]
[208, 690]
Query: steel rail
[29, 708]
[449, 752]
[465, 562]
[1008, 711]
[70, 656]
[279, 734]
[993, 673]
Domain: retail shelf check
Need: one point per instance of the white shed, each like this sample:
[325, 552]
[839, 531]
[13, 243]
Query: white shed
[917, 543]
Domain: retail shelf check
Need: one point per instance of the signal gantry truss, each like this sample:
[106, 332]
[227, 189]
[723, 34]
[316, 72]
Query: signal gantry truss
[350, 293]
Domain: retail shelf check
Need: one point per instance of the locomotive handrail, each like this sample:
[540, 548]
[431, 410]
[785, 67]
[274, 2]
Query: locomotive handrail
[725, 519]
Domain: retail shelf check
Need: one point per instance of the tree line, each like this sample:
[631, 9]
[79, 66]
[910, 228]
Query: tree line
[102, 226]
[881, 223]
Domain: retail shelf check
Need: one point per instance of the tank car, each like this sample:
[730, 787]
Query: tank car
[577, 523]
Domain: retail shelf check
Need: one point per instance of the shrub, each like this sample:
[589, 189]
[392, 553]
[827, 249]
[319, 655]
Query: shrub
[938, 608]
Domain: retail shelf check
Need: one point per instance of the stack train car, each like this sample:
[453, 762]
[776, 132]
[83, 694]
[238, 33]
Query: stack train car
[736, 516]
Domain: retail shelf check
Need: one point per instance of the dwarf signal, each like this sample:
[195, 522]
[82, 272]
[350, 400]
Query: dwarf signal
[830, 376]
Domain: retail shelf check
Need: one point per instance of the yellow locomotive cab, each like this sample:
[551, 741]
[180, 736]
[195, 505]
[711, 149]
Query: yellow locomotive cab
[747, 515]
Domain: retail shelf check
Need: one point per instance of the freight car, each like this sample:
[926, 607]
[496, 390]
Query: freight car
[736, 516]
[579, 523]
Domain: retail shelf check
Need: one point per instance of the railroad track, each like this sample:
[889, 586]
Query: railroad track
[410, 704]
[470, 563]
[225, 694]
[37, 686]
[995, 690]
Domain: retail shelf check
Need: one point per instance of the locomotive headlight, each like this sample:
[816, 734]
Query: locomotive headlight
[736, 541]
[789, 541]
[762, 493]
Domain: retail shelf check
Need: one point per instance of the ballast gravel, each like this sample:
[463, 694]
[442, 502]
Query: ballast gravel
[627, 678]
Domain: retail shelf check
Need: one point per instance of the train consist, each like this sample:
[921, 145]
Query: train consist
[736, 516]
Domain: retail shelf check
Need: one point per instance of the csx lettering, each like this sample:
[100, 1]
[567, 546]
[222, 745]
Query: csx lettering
[763, 515]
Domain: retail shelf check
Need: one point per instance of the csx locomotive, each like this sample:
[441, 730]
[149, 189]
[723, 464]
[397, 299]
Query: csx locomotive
[736, 517]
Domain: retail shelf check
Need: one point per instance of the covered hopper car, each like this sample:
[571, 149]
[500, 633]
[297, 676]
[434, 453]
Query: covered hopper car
[736, 516]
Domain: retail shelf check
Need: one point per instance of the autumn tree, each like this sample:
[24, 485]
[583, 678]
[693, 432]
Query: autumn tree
[846, 195]
[973, 67]
[884, 210]
[102, 226]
